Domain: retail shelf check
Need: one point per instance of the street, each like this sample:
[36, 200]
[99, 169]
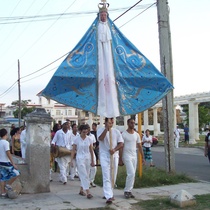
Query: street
[190, 161]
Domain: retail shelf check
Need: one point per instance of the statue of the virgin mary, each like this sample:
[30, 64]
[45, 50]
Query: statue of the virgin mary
[106, 74]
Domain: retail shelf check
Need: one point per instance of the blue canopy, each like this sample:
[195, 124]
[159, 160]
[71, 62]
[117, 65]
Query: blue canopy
[75, 83]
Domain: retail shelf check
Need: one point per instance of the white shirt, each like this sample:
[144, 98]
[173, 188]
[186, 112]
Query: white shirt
[130, 141]
[177, 132]
[104, 146]
[147, 138]
[93, 138]
[83, 151]
[4, 147]
[72, 138]
[62, 139]
[23, 138]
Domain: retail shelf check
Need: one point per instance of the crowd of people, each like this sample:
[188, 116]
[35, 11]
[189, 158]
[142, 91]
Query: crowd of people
[105, 146]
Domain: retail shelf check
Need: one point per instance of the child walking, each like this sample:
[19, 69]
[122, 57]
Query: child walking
[8, 170]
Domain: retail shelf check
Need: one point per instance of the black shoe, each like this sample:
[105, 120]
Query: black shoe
[131, 195]
[109, 201]
[127, 194]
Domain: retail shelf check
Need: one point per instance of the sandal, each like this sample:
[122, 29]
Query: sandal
[89, 196]
[109, 201]
[82, 193]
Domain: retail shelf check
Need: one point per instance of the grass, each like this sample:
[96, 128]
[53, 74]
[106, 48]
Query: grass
[202, 203]
[151, 177]
[200, 143]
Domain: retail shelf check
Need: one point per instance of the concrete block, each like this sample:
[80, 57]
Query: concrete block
[183, 198]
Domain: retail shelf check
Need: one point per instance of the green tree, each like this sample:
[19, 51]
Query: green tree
[24, 109]
[23, 103]
[203, 113]
[24, 112]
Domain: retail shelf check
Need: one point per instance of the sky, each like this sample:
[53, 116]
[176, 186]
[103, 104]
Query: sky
[37, 44]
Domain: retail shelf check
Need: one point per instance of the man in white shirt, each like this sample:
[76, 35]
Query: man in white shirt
[93, 169]
[73, 167]
[106, 153]
[177, 136]
[129, 157]
[62, 139]
[23, 143]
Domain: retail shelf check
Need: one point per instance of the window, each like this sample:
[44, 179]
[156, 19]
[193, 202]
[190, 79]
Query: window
[58, 112]
[69, 112]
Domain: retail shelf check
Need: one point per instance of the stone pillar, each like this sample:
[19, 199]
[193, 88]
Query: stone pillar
[146, 120]
[191, 122]
[196, 121]
[155, 121]
[36, 179]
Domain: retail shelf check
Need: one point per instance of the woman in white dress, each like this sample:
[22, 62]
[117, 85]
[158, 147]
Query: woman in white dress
[83, 147]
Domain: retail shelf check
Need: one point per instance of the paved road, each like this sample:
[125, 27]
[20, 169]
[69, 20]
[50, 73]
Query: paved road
[190, 161]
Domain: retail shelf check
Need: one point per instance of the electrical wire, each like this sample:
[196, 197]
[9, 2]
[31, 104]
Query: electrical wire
[126, 11]
[44, 67]
[8, 90]
[13, 10]
[24, 19]
[138, 14]
[40, 74]
[11, 87]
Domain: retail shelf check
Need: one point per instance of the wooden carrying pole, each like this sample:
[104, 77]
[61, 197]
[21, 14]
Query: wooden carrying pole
[139, 154]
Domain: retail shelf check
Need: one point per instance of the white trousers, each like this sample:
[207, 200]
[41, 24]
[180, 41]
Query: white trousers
[106, 173]
[177, 142]
[83, 167]
[23, 150]
[63, 163]
[73, 169]
[130, 164]
[93, 170]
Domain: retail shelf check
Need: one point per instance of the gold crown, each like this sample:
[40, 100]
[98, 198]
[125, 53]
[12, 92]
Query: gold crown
[103, 6]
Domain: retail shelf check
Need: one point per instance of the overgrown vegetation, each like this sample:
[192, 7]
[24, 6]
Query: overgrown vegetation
[202, 203]
[151, 177]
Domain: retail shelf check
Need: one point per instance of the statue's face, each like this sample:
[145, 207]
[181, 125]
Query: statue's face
[103, 16]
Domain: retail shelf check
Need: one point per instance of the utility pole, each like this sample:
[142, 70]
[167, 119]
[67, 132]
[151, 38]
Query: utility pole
[19, 95]
[167, 70]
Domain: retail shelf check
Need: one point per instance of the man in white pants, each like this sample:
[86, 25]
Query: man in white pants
[177, 136]
[129, 157]
[106, 154]
[23, 143]
[73, 168]
[93, 169]
[62, 139]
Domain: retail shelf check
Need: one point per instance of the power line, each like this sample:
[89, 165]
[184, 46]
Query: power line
[24, 19]
[126, 11]
[14, 9]
[44, 66]
[138, 14]
[68, 52]
[34, 44]
[9, 89]
[18, 36]
[40, 74]
[10, 33]
[46, 30]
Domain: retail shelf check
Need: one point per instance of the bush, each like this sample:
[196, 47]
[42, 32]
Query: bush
[151, 177]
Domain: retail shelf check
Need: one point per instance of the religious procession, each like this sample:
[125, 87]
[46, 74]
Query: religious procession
[104, 74]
